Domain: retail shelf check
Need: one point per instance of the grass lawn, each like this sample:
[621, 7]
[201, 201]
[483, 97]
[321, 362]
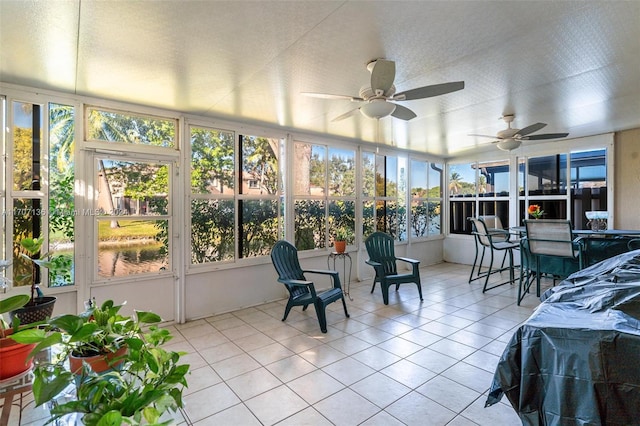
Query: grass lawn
[128, 230]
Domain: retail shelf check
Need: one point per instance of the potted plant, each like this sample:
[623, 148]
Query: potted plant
[14, 355]
[143, 380]
[342, 237]
[40, 306]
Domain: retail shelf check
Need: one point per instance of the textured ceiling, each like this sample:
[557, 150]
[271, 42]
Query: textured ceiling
[573, 65]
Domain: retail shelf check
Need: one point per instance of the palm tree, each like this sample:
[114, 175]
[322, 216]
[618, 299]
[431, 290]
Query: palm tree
[455, 183]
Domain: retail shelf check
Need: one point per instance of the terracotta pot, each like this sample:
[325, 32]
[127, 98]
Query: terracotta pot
[98, 363]
[13, 357]
[340, 246]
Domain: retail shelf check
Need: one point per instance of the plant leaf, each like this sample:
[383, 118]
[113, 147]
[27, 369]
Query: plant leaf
[148, 317]
[111, 418]
[14, 302]
[45, 388]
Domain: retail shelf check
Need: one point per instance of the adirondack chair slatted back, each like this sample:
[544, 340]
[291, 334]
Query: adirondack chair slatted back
[380, 249]
[285, 259]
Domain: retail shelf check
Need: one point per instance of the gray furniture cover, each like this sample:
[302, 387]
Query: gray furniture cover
[576, 360]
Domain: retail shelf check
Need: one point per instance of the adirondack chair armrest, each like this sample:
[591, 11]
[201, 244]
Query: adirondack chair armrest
[300, 283]
[373, 263]
[406, 259]
[297, 283]
[334, 275]
[321, 271]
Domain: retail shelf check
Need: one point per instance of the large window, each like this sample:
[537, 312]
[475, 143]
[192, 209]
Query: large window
[213, 195]
[478, 189]
[234, 214]
[40, 185]
[132, 217]
[384, 195]
[565, 186]
[127, 128]
[324, 194]
[426, 198]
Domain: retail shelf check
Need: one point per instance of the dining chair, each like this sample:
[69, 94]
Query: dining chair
[380, 248]
[494, 240]
[552, 250]
[302, 292]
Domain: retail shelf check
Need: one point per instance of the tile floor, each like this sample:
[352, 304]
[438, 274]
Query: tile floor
[408, 363]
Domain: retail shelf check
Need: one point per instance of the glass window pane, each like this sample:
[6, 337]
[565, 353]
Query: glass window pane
[368, 226]
[309, 169]
[132, 247]
[462, 180]
[547, 175]
[61, 191]
[342, 172]
[419, 219]
[342, 217]
[212, 161]
[368, 174]
[310, 224]
[259, 227]
[27, 223]
[125, 127]
[419, 176]
[435, 180]
[521, 176]
[212, 231]
[27, 146]
[425, 218]
[132, 188]
[458, 214]
[553, 209]
[391, 170]
[589, 169]
[435, 219]
[260, 165]
[493, 180]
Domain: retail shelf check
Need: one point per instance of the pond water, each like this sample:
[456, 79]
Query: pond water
[130, 260]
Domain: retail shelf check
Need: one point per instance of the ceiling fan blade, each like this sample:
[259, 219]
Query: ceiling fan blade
[429, 91]
[403, 113]
[484, 136]
[546, 136]
[346, 115]
[382, 75]
[330, 96]
[531, 129]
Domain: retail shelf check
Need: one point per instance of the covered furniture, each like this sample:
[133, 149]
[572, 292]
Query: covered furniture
[301, 291]
[575, 360]
[383, 259]
[597, 248]
[549, 249]
[494, 240]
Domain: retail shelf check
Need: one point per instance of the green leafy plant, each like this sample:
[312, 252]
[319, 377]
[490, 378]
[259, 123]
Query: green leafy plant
[147, 381]
[344, 234]
[60, 266]
[10, 304]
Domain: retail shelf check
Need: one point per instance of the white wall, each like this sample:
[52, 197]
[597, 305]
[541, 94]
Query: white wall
[216, 292]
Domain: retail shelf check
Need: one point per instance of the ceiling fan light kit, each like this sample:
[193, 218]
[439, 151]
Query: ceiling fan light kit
[511, 138]
[382, 90]
[509, 144]
[377, 108]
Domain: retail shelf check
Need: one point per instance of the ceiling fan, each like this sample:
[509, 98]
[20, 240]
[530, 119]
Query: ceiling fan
[381, 91]
[510, 138]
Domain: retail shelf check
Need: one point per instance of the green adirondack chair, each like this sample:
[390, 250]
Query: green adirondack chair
[383, 259]
[301, 291]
